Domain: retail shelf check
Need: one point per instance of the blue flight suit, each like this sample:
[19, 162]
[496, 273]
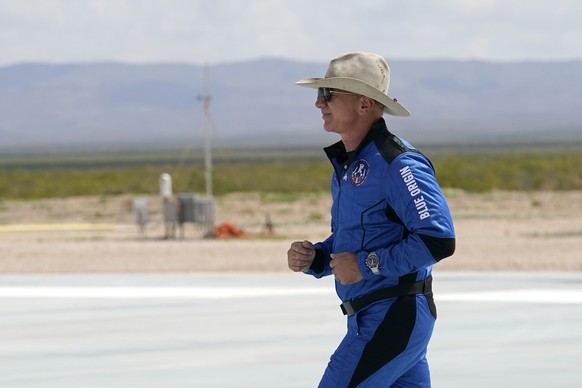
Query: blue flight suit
[386, 200]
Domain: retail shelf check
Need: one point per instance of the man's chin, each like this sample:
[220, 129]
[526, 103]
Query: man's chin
[327, 128]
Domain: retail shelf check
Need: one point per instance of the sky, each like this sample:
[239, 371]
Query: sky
[223, 31]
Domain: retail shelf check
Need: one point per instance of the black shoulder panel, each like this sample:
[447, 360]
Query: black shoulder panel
[391, 146]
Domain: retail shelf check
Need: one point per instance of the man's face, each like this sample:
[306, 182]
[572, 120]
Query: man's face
[339, 112]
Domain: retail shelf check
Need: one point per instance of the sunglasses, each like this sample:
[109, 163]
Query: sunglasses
[326, 93]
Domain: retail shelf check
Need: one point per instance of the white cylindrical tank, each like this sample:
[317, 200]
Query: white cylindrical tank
[166, 185]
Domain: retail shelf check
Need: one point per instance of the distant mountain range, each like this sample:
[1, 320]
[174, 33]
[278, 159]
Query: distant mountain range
[256, 104]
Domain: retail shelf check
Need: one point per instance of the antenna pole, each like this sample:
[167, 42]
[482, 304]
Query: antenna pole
[206, 98]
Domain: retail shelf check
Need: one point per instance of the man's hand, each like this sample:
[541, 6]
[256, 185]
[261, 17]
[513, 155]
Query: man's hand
[300, 256]
[344, 267]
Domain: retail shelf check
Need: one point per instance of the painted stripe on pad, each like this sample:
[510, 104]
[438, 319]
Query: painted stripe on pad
[552, 296]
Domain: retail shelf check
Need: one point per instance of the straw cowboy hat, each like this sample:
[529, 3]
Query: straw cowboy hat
[366, 74]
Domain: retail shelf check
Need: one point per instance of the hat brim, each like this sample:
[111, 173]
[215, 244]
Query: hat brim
[391, 106]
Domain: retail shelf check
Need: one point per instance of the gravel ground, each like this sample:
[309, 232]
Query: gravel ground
[536, 231]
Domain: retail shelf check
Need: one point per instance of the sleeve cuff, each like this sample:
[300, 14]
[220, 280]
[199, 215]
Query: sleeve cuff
[318, 264]
[364, 270]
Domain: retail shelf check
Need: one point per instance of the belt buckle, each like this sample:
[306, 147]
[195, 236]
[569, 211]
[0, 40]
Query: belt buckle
[347, 308]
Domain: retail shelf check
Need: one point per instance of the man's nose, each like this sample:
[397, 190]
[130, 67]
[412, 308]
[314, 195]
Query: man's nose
[320, 102]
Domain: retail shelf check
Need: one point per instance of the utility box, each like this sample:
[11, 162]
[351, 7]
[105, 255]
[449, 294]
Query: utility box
[196, 209]
[187, 208]
[205, 213]
[170, 209]
[141, 213]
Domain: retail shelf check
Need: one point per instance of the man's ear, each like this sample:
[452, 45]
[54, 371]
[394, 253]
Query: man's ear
[366, 104]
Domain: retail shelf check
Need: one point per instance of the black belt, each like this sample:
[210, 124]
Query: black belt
[421, 287]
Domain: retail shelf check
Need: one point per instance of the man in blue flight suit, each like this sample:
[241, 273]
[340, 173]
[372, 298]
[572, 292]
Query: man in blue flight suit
[390, 224]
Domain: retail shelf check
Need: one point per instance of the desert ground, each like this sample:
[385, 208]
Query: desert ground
[515, 231]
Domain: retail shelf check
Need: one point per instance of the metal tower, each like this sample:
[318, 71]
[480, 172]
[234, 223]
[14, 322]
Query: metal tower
[208, 124]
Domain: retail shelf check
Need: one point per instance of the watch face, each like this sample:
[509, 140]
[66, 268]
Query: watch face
[372, 260]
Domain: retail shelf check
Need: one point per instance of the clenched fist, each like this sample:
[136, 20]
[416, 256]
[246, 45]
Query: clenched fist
[344, 267]
[300, 256]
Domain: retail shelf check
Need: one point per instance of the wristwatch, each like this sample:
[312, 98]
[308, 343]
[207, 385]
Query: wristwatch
[373, 261]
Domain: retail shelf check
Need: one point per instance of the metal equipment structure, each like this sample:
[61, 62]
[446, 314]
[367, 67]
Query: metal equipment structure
[186, 207]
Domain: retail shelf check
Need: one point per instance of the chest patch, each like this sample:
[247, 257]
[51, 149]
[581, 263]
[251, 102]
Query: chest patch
[360, 172]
